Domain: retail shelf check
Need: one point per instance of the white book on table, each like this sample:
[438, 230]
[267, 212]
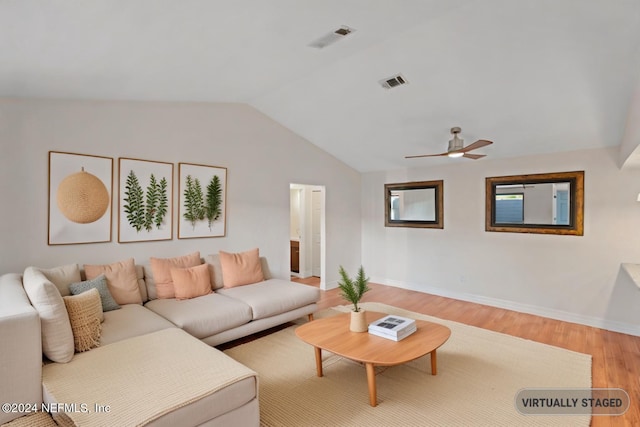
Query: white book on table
[392, 325]
[395, 337]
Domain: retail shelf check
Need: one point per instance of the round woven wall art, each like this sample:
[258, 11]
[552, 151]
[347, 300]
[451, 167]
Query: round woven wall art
[82, 197]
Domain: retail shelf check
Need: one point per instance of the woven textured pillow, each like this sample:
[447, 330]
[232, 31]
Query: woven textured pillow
[241, 268]
[100, 283]
[85, 311]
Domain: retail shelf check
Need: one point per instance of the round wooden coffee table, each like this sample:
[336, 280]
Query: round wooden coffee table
[333, 334]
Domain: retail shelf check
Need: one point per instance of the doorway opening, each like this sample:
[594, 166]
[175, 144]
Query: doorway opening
[307, 231]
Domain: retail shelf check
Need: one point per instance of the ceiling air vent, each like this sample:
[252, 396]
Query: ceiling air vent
[392, 82]
[331, 37]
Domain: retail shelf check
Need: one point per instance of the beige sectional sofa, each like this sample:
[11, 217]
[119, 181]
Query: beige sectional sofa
[155, 364]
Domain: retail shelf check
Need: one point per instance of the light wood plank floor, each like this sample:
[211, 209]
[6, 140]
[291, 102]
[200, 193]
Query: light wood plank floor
[615, 356]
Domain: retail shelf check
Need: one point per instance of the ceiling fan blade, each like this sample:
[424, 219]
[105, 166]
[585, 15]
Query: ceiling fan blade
[478, 144]
[473, 156]
[426, 155]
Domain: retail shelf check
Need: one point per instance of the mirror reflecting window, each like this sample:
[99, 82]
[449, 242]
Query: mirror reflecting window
[414, 204]
[541, 203]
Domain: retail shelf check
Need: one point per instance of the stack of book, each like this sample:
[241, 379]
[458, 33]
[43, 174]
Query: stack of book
[393, 327]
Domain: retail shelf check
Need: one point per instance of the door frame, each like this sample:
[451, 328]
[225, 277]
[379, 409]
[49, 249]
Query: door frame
[305, 230]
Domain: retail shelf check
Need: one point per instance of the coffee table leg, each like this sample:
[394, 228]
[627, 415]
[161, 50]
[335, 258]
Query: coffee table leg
[371, 380]
[318, 360]
[434, 369]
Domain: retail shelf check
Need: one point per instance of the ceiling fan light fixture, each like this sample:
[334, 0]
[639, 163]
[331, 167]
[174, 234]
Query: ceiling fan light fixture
[455, 155]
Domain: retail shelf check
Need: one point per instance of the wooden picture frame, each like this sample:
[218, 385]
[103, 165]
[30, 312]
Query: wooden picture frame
[80, 198]
[573, 223]
[423, 204]
[145, 200]
[202, 201]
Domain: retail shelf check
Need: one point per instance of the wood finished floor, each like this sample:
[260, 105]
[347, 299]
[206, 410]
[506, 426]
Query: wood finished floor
[615, 356]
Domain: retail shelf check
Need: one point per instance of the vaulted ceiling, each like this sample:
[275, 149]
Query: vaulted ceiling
[532, 76]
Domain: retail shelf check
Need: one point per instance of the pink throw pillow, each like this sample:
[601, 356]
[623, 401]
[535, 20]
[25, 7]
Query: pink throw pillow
[161, 268]
[241, 268]
[122, 280]
[191, 282]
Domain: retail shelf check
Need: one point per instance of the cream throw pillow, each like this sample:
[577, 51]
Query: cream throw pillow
[63, 276]
[85, 311]
[241, 268]
[191, 282]
[161, 268]
[122, 280]
[57, 337]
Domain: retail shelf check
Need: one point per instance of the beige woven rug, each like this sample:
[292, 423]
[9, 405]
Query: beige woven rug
[479, 374]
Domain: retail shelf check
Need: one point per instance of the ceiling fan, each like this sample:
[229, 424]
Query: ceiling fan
[457, 148]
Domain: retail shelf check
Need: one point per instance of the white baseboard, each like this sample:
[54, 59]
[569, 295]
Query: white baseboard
[565, 316]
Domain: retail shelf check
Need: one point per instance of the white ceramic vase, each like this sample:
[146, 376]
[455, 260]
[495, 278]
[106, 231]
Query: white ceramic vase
[358, 321]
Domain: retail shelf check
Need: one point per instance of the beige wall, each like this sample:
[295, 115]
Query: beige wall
[262, 158]
[568, 277]
[573, 278]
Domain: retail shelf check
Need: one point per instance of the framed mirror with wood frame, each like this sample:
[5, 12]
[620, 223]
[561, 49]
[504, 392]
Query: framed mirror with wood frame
[546, 203]
[414, 204]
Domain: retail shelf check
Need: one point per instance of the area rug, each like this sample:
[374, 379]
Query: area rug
[479, 374]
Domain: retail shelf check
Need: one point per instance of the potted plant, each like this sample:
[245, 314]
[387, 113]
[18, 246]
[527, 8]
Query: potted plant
[353, 290]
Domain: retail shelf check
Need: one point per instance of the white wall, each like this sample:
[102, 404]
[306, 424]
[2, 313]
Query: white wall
[574, 278]
[262, 158]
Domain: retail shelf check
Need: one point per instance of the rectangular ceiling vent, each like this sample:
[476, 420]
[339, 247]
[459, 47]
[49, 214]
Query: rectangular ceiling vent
[332, 37]
[394, 81]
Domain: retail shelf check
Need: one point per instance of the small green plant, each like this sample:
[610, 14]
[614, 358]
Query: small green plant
[353, 290]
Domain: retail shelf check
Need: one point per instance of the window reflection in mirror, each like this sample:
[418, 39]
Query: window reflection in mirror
[540, 203]
[414, 204]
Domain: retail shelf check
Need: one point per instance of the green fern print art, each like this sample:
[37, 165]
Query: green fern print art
[197, 206]
[145, 209]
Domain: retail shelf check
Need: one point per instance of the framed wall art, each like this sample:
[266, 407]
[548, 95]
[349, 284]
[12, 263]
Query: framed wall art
[145, 196]
[80, 191]
[202, 206]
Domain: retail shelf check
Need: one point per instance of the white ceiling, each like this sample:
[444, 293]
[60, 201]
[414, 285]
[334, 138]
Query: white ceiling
[532, 76]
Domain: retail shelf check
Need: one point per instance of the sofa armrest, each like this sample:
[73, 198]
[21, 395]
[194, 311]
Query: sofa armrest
[21, 349]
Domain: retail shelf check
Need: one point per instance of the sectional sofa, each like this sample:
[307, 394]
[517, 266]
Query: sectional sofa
[141, 352]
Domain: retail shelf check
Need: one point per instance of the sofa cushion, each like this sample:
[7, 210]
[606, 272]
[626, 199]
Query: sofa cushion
[142, 285]
[215, 270]
[273, 296]
[131, 320]
[162, 272]
[145, 378]
[63, 276]
[122, 280]
[100, 284]
[85, 316]
[57, 337]
[191, 282]
[241, 268]
[203, 316]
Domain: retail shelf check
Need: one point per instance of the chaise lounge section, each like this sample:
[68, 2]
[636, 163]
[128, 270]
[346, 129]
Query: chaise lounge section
[155, 364]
